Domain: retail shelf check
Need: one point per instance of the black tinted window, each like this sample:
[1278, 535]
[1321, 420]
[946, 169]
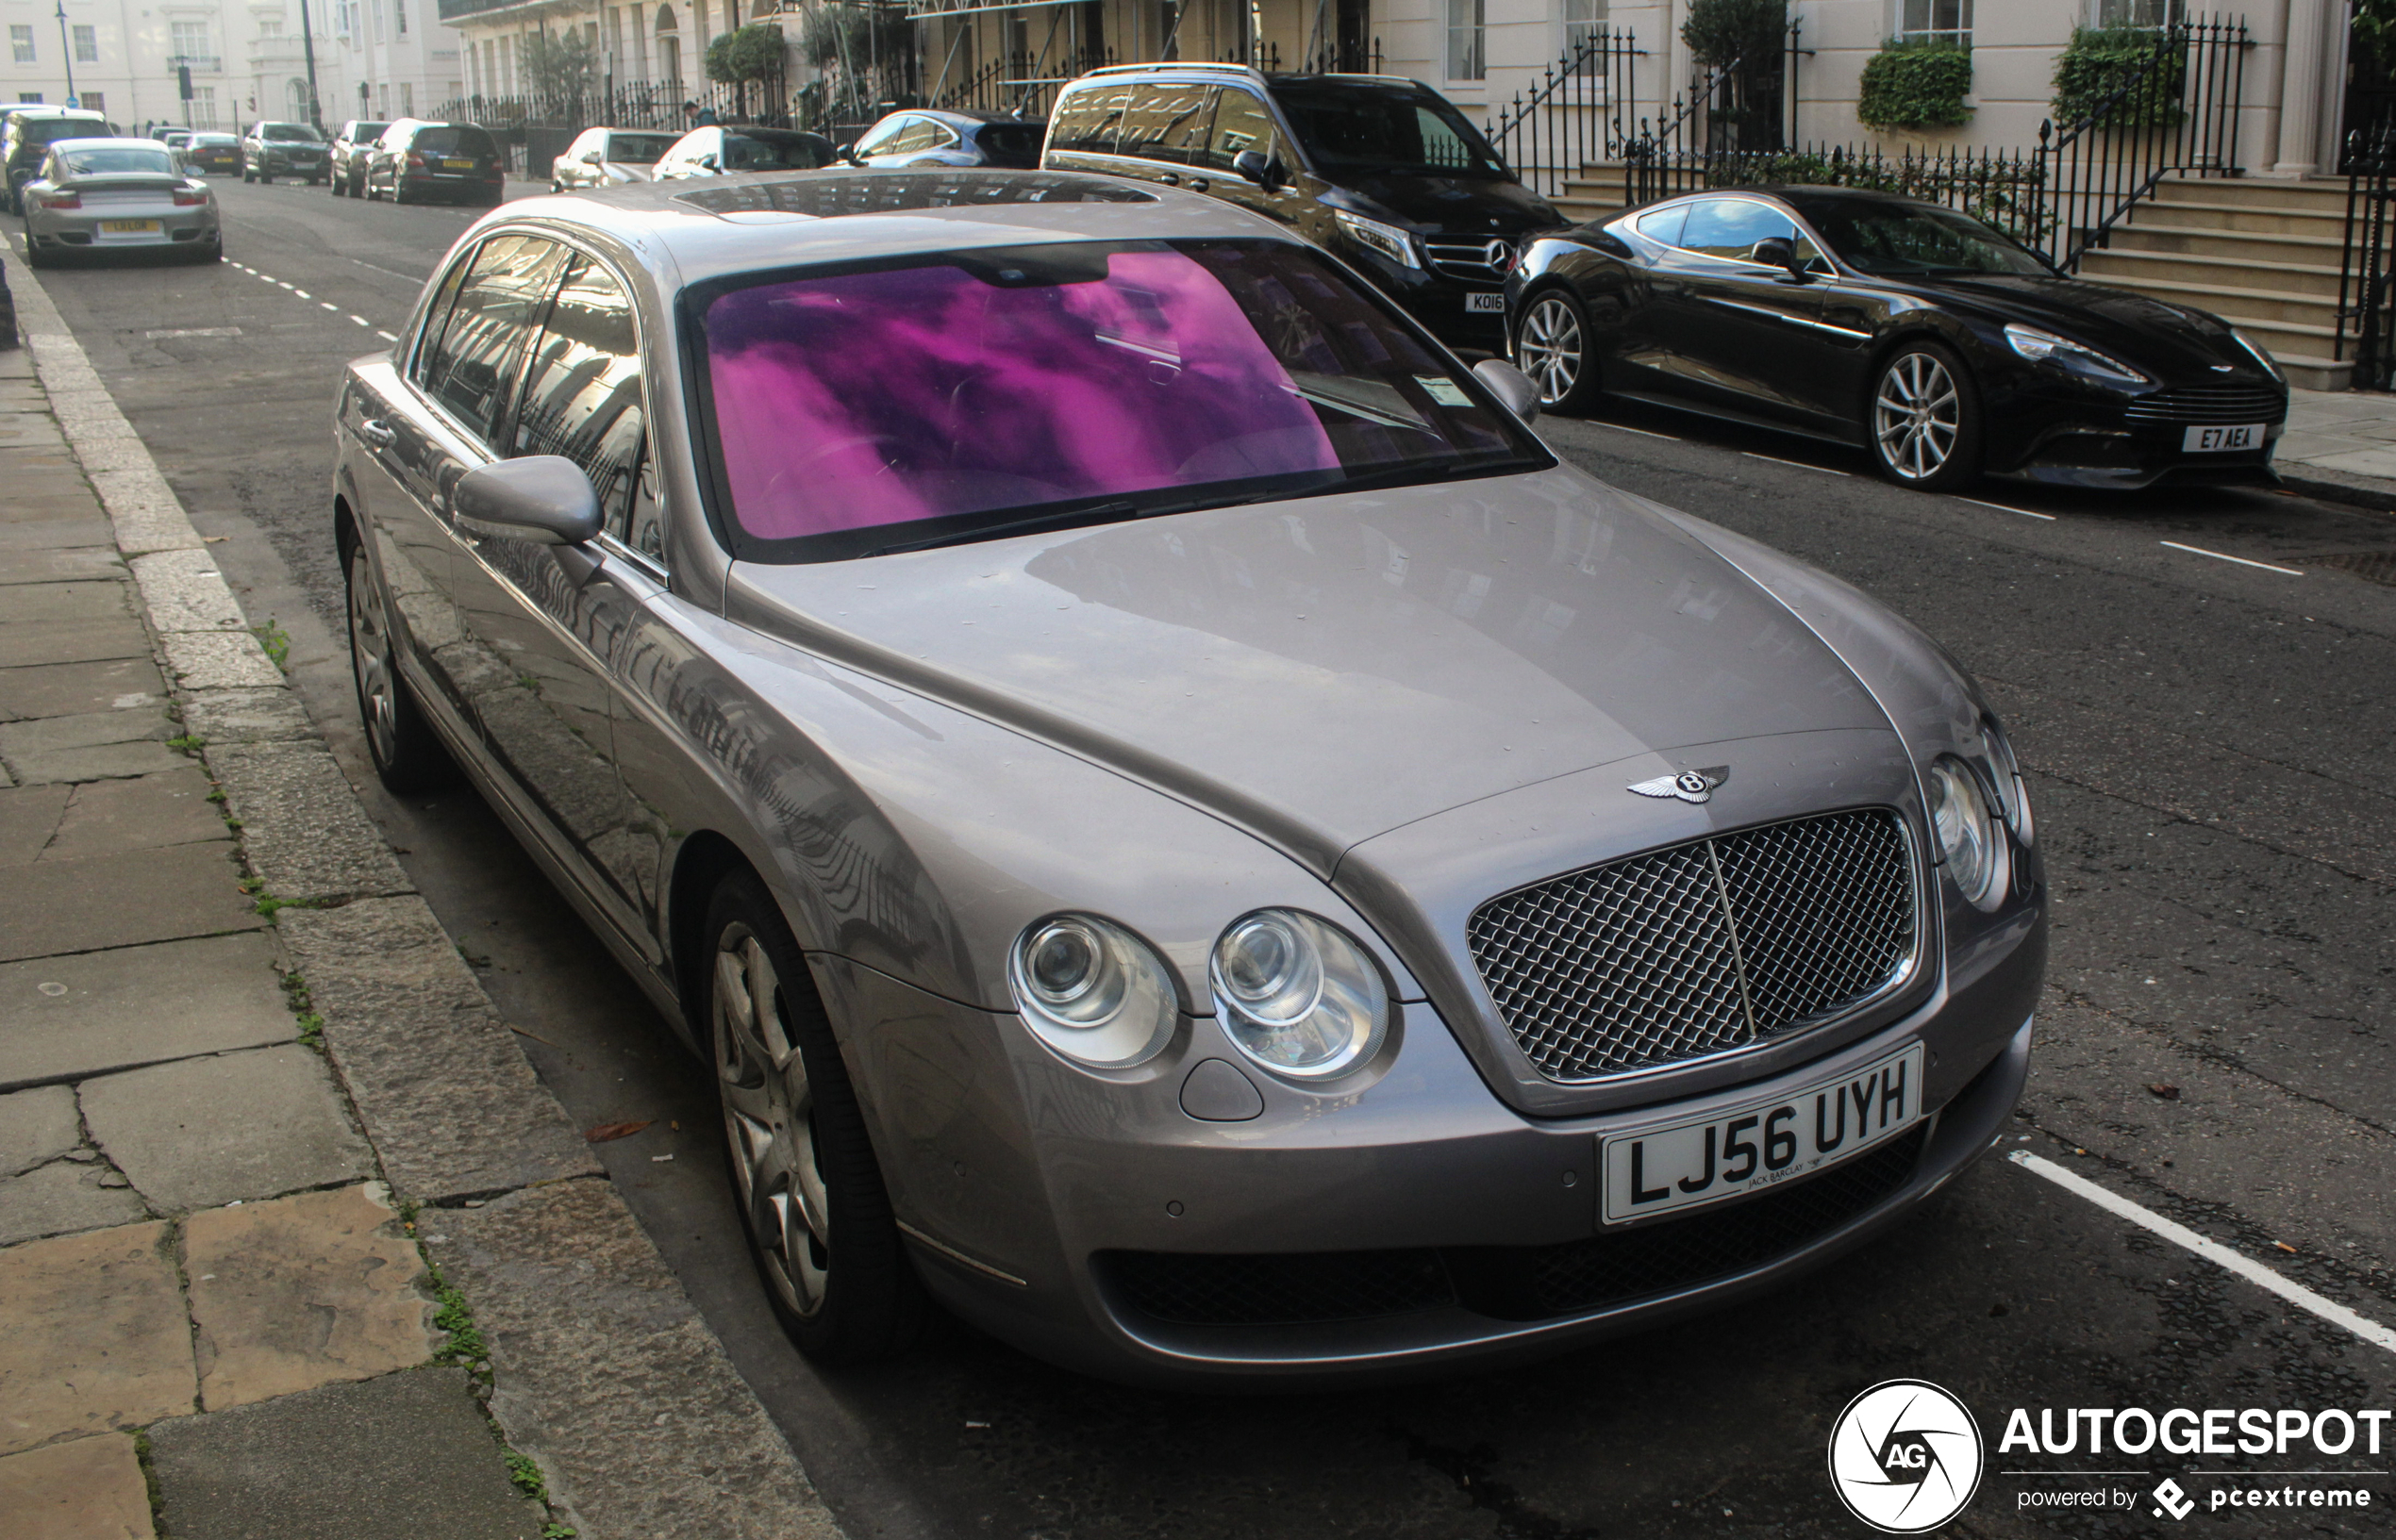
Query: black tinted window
[637, 149]
[47, 130]
[798, 152]
[1240, 124]
[1369, 128]
[1088, 122]
[1168, 121]
[453, 138]
[482, 343]
[582, 392]
[1010, 144]
[291, 133]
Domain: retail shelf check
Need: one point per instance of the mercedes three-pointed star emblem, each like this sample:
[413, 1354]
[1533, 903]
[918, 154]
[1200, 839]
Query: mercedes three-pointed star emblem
[1689, 786]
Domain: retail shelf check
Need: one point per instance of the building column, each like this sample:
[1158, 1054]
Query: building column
[2301, 62]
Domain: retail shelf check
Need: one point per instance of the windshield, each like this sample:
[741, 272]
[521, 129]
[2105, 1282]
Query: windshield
[451, 139]
[213, 142]
[1890, 239]
[1015, 144]
[637, 149]
[967, 394]
[291, 133]
[117, 162]
[359, 133]
[793, 152]
[49, 130]
[1386, 131]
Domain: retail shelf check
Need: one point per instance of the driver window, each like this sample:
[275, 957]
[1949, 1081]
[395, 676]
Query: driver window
[582, 394]
[1730, 227]
[1241, 122]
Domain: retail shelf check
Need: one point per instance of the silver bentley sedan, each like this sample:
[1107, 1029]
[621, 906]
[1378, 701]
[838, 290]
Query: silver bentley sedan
[1187, 835]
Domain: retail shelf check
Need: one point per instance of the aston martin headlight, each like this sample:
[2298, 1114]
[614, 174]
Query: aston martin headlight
[2046, 347]
[1387, 239]
[1297, 995]
[1966, 834]
[2270, 365]
[1091, 990]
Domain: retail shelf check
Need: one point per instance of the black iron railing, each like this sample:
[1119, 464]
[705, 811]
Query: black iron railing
[2173, 112]
[1575, 115]
[1996, 184]
[2367, 276]
[1023, 84]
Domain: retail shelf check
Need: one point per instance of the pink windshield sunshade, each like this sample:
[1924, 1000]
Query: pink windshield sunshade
[879, 398]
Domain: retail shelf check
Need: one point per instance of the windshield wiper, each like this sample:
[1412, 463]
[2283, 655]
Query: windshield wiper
[1094, 514]
[1414, 473]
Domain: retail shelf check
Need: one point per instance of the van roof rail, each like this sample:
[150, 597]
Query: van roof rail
[1244, 71]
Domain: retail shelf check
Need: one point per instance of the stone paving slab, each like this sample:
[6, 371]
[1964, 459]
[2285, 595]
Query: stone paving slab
[97, 1339]
[99, 600]
[125, 900]
[87, 1489]
[150, 812]
[75, 641]
[304, 831]
[450, 1101]
[58, 689]
[405, 1457]
[301, 1292]
[89, 745]
[114, 1010]
[64, 1196]
[665, 1439]
[36, 1126]
[166, 1127]
[67, 550]
[28, 817]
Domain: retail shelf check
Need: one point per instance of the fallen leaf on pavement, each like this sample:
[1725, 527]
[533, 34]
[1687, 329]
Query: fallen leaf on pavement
[2168, 1093]
[605, 1131]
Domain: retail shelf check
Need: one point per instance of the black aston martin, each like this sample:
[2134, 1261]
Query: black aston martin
[1933, 340]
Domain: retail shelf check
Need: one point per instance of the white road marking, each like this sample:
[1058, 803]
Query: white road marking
[1624, 427]
[263, 278]
[1800, 465]
[192, 331]
[2199, 551]
[302, 293]
[2211, 1250]
[2002, 508]
[361, 321]
[279, 283]
[387, 336]
[328, 304]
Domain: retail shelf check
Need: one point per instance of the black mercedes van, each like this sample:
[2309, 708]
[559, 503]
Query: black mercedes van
[1383, 170]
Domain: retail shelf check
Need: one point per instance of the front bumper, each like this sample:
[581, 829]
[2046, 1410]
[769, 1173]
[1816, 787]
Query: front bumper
[291, 165]
[1442, 301]
[2062, 433]
[1053, 1208]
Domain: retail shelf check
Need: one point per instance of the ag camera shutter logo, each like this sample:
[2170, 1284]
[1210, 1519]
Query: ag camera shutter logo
[1906, 1456]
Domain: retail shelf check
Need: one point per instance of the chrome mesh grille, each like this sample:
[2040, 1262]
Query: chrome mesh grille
[2199, 404]
[1685, 951]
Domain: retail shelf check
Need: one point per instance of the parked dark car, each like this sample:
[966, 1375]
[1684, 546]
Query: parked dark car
[270, 150]
[414, 161]
[720, 152]
[1925, 335]
[1385, 171]
[351, 146]
[212, 154]
[28, 139]
[929, 138]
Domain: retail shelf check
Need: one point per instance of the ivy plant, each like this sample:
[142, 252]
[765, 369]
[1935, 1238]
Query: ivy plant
[1915, 83]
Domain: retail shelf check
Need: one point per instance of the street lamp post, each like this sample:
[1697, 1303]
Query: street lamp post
[308, 47]
[66, 49]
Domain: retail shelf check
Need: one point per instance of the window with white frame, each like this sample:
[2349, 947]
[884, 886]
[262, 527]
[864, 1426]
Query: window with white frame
[94, 101]
[21, 43]
[191, 38]
[87, 47]
[1936, 21]
[399, 17]
[203, 106]
[2151, 13]
[1467, 29]
[1582, 20]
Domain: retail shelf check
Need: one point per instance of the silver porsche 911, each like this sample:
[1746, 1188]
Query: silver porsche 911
[1186, 834]
[99, 194]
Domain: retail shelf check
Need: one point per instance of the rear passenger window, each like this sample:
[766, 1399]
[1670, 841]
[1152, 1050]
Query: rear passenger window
[1088, 122]
[582, 391]
[1168, 122]
[1664, 225]
[483, 339]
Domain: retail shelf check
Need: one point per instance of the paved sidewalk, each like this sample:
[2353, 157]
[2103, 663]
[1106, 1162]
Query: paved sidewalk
[293, 1242]
[2341, 444]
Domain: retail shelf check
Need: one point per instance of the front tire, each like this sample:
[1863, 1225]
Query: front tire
[408, 757]
[1922, 420]
[802, 1168]
[1551, 346]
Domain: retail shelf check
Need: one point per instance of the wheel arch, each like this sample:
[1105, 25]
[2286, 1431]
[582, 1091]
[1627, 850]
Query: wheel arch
[704, 860]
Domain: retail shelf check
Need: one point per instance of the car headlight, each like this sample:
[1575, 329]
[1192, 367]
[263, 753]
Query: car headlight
[2046, 347]
[1387, 240]
[1297, 995]
[2270, 365]
[2012, 791]
[1091, 990]
[1966, 833]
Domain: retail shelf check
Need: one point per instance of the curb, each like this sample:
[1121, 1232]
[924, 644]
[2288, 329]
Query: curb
[2328, 485]
[603, 1370]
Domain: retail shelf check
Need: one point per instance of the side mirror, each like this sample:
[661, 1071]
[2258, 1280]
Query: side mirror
[1777, 251]
[1511, 386]
[591, 158]
[541, 499]
[708, 162]
[848, 153]
[1256, 168]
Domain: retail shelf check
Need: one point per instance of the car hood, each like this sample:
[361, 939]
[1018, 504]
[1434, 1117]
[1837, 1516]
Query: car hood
[1453, 204]
[1322, 669]
[2165, 340]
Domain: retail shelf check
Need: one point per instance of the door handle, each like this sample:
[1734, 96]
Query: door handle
[378, 431]
[1171, 178]
[1197, 184]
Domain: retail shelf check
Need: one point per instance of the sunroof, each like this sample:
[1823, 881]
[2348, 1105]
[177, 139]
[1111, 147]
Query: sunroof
[829, 196]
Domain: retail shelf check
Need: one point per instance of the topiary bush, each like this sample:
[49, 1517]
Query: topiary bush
[750, 52]
[2121, 78]
[1915, 83]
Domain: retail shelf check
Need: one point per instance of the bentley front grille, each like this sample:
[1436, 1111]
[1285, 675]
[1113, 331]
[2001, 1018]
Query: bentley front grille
[1703, 946]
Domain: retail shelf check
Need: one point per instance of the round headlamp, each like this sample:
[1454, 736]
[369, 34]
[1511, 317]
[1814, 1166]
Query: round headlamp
[1091, 990]
[1965, 831]
[1297, 995]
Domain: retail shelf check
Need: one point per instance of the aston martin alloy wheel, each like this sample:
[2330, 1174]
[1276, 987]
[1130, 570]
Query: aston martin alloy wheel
[1924, 421]
[804, 1176]
[408, 757]
[1552, 347]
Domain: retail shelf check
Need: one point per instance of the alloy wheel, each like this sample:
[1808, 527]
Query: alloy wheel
[370, 653]
[1550, 348]
[769, 1124]
[1916, 417]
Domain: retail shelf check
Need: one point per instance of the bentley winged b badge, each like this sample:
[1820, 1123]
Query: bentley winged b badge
[1691, 785]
